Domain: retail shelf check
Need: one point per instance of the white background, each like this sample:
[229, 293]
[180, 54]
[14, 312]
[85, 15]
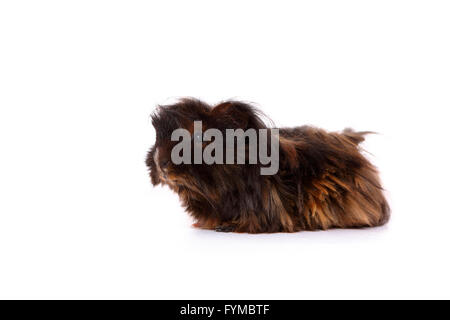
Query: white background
[78, 80]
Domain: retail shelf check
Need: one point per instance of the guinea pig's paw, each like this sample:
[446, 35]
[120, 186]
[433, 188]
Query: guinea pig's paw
[197, 225]
[225, 228]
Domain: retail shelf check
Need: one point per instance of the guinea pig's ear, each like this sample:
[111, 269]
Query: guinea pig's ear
[236, 115]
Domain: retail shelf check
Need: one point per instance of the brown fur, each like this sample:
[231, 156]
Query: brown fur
[323, 181]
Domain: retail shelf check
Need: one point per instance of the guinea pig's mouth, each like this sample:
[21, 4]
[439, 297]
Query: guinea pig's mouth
[164, 175]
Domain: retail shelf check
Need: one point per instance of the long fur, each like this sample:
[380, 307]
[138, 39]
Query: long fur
[323, 181]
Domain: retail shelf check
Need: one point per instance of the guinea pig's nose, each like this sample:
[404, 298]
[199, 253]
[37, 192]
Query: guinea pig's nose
[163, 163]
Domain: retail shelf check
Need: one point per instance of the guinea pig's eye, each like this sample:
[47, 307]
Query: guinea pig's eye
[197, 137]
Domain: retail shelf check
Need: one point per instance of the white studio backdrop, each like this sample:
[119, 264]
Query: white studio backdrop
[79, 79]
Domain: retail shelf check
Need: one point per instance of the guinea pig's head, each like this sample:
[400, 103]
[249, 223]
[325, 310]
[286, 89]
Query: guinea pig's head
[183, 115]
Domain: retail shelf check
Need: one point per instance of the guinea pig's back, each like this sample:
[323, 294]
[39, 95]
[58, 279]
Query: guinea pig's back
[338, 186]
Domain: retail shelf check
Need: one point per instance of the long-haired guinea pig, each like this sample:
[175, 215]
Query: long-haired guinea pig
[323, 181]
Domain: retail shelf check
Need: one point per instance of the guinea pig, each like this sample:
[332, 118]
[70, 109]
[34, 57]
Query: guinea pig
[321, 180]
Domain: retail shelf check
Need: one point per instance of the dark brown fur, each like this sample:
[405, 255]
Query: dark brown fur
[323, 181]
